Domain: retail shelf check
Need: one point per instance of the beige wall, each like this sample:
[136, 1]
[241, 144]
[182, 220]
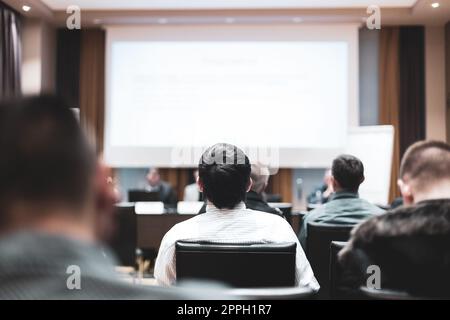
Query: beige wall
[48, 50]
[435, 86]
[38, 57]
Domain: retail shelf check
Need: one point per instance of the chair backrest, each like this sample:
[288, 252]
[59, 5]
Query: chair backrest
[293, 293]
[318, 241]
[143, 196]
[124, 241]
[341, 285]
[284, 207]
[237, 265]
[386, 294]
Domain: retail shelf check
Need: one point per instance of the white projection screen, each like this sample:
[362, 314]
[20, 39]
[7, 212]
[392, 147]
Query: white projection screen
[286, 94]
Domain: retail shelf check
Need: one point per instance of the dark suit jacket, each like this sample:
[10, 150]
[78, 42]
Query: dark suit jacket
[166, 194]
[254, 201]
[411, 246]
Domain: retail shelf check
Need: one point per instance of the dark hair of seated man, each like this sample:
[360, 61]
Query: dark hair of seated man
[224, 174]
[348, 172]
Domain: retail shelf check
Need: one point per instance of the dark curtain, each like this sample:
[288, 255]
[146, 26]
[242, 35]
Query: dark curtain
[68, 66]
[412, 85]
[402, 89]
[10, 53]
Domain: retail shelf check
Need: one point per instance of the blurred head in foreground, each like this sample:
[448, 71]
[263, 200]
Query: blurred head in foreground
[49, 177]
[224, 175]
[425, 172]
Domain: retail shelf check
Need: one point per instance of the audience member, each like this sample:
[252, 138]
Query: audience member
[410, 244]
[165, 190]
[191, 192]
[321, 194]
[254, 198]
[53, 197]
[345, 206]
[224, 179]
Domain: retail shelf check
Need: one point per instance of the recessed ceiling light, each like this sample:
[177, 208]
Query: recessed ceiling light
[435, 5]
[26, 8]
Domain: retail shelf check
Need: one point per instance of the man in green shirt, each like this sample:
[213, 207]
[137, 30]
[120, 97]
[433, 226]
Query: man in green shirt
[345, 206]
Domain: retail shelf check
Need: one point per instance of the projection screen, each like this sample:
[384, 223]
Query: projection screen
[286, 94]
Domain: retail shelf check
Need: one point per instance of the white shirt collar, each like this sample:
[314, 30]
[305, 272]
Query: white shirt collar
[210, 208]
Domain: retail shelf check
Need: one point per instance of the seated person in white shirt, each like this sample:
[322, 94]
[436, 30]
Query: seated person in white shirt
[191, 192]
[224, 179]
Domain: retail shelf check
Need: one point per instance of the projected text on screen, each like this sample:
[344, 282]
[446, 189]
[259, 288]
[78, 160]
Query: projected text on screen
[250, 93]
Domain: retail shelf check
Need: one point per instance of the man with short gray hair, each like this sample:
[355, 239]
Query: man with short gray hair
[255, 197]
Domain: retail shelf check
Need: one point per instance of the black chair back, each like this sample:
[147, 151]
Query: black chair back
[142, 195]
[285, 208]
[387, 294]
[291, 293]
[124, 240]
[318, 241]
[342, 282]
[237, 265]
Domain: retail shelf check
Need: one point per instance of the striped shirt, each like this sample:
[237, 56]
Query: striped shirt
[238, 225]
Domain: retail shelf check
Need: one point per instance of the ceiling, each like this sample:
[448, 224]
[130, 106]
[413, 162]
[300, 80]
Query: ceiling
[109, 12]
[223, 4]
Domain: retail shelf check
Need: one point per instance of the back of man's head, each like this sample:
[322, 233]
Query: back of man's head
[426, 164]
[224, 175]
[45, 159]
[260, 177]
[348, 172]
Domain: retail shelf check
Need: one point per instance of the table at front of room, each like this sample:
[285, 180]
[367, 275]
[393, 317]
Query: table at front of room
[152, 228]
[146, 231]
